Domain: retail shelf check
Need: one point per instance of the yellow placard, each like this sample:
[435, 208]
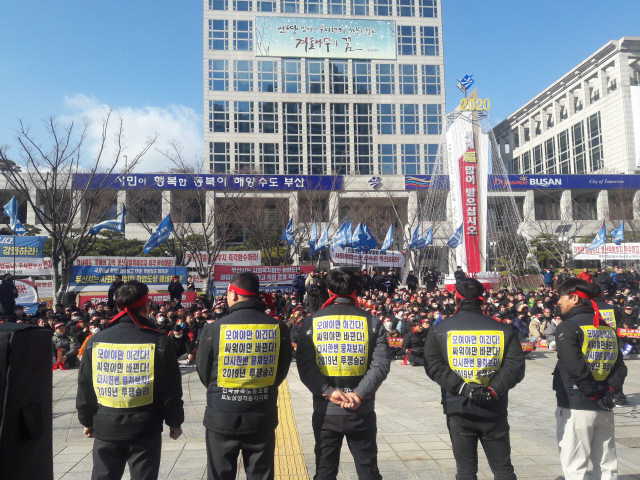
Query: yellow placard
[609, 316]
[600, 349]
[342, 345]
[248, 356]
[123, 374]
[475, 355]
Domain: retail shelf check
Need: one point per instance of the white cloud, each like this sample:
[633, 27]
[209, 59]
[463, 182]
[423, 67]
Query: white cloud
[175, 122]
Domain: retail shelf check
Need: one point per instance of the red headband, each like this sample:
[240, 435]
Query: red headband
[241, 291]
[137, 304]
[334, 297]
[596, 316]
[465, 298]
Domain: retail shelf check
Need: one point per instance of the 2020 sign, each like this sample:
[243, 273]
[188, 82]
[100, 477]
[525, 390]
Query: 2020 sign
[477, 104]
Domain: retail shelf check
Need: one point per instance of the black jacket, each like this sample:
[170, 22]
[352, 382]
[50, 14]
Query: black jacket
[415, 341]
[377, 358]
[175, 290]
[181, 345]
[509, 374]
[573, 381]
[8, 295]
[128, 423]
[412, 280]
[113, 288]
[430, 280]
[234, 410]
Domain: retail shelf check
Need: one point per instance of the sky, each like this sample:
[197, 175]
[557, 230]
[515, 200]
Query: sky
[72, 59]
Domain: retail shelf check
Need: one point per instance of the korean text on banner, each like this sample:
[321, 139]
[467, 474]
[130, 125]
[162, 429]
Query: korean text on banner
[390, 258]
[187, 298]
[245, 258]
[97, 278]
[25, 247]
[129, 261]
[266, 274]
[626, 251]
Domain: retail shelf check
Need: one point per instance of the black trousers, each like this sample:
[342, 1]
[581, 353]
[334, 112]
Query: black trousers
[258, 452]
[494, 437]
[142, 455]
[360, 430]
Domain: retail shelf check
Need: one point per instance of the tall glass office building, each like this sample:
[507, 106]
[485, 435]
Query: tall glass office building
[321, 87]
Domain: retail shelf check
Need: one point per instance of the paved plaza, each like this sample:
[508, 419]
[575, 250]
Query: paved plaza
[412, 435]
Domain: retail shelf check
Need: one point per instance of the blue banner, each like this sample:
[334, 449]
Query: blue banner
[529, 182]
[104, 276]
[31, 247]
[182, 181]
[161, 235]
[11, 211]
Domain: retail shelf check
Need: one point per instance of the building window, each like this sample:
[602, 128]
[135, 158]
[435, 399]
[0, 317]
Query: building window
[516, 139]
[538, 165]
[564, 153]
[432, 118]
[312, 6]
[243, 117]
[382, 8]
[266, 6]
[218, 35]
[406, 8]
[315, 76]
[550, 156]
[362, 77]
[289, 6]
[243, 75]
[359, 7]
[267, 76]
[409, 119]
[595, 142]
[316, 141]
[386, 119]
[428, 8]
[269, 163]
[219, 158]
[387, 159]
[292, 138]
[406, 40]
[291, 75]
[429, 41]
[526, 162]
[218, 5]
[408, 79]
[242, 5]
[431, 80]
[579, 161]
[338, 76]
[410, 159]
[515, 168]
[385, 79]
[244, 157]
[218, 116]
[363, 140]
[268, 117]
[340, 156]
[243, 35]
[338, 7]
[219, 75]
[430, 156]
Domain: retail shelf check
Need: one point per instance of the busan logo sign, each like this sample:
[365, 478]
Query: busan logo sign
[545, 182]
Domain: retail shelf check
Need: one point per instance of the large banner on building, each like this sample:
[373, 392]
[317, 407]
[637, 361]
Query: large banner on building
[25, 249]
[187, 298]
[325, 38]
[374, 258]
[38, 266]
[45, 288]
[247, 258]
[122, 261]
[609, 251]
[99, 278]
[267, 274]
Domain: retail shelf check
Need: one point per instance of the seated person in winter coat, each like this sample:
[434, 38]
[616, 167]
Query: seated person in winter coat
[538, 327]
[68, 343]
[550, 332]
[413, 344]
[182, 346]
[628, 323]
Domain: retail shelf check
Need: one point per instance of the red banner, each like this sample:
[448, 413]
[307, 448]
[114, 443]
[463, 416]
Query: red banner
[543, 344]
[470, 209]
[395, 342]
[528, 346]
[275, 274]
[628, 332]
[187, 298]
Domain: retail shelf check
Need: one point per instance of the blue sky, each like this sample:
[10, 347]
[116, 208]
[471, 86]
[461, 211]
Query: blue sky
[143, 58]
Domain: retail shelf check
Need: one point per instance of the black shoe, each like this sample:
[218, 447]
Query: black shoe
[622, 402]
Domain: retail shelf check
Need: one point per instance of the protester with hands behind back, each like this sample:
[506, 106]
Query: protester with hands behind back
[343, 358]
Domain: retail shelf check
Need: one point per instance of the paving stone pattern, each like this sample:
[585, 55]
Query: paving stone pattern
[412, 435]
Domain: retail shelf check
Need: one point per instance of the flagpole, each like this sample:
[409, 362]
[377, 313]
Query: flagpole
[14, 253]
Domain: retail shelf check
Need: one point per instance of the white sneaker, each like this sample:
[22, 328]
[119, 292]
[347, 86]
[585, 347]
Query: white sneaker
[183, 362]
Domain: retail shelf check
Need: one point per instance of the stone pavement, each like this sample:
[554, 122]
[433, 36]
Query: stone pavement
[412, 434]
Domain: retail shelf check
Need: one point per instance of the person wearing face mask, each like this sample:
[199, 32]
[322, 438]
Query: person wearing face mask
[538, 327]
[182, 345]
[94, 327]
[413, 344]
[162, 323]
[8, 295]
[293, 303]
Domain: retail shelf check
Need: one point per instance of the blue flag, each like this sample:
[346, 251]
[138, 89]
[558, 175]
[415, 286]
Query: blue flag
[347, 233]
[323, 241]
[618, 234]
[161, 235]
[456, 238]
[356, 238]
[426, 239]
[288, 233]
[11, 211]
[340, 238]
[313, 239]
[600, 238]
[415, 237]
[388, 240]
[116, 225]
[368, 242]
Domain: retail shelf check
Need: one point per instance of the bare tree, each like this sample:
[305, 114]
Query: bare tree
[47, 178]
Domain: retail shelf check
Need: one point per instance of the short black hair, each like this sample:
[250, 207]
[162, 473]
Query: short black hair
[573, 285]
[248, 281]
[129, 293]
[469, 288]
[342, 282]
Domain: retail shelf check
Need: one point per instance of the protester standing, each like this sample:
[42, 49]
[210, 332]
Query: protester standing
[8, 295]
[175, 290]
[113, 288]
